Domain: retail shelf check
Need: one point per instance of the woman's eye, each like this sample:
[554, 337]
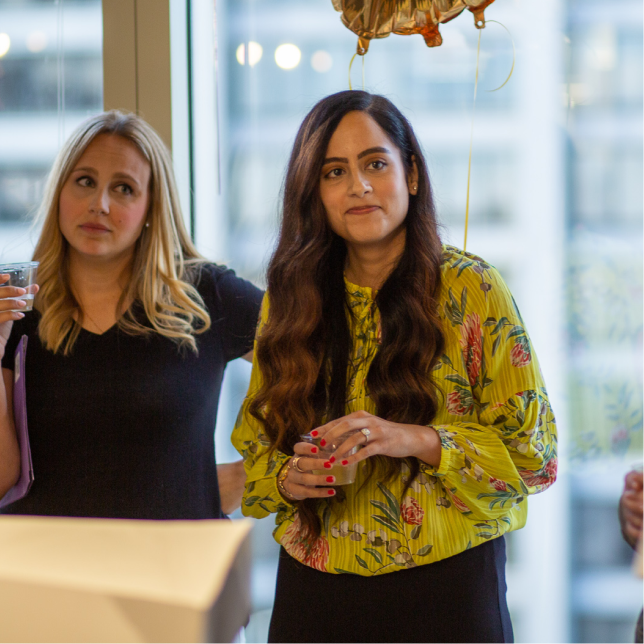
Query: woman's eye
[124, 189]
[336, 172]
[377, 165]
[85, 182]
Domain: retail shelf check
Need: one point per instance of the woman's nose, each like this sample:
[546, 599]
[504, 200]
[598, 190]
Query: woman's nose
[359, 185]
[100, 203]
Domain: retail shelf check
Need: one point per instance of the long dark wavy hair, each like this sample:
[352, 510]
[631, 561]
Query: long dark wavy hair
[304, 348]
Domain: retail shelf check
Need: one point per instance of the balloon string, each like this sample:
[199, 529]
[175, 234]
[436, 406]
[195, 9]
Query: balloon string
[469, 163]
[514, 56]
[351, 65]
[476, 82]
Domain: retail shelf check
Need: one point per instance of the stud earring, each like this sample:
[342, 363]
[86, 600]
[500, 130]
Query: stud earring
[414, 187]
[147, 224]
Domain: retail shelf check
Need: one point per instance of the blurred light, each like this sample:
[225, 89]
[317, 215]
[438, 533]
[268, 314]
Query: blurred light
[36, 41]
[5, 43]
[288, 56]
[604, 41]
[255, 52]
[321, 61]
[240, 54]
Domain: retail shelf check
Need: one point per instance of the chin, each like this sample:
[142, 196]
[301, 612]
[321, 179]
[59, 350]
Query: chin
[368, 237]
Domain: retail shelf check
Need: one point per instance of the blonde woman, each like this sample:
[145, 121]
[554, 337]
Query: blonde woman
[128, 341]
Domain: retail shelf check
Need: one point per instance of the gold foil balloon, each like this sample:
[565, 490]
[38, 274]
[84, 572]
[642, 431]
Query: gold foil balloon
[378, 18]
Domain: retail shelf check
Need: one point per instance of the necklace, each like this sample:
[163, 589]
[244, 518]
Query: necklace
[93, 321]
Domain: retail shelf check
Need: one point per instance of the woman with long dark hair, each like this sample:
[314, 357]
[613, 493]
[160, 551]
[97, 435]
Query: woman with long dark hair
[375, 336]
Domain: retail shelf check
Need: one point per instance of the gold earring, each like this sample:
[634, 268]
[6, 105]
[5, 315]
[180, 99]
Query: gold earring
[414, 187]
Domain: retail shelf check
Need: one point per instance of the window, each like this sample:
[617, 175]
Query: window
[556, 205]
[50, 80]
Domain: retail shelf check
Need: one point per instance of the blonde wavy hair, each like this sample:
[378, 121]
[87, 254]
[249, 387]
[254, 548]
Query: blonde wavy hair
[165, 262]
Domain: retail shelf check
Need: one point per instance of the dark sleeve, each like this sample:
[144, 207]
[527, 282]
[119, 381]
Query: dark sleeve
[17, 331]
[234, 305]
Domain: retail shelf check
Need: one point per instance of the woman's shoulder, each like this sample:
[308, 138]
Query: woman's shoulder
[463, 272]
[219, 285]
[208, 277]
[460, 266]
[203, 274]
[457, 259]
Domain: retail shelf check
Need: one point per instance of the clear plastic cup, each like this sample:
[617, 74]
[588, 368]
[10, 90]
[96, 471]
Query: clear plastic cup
[22, 275]
[344, 475]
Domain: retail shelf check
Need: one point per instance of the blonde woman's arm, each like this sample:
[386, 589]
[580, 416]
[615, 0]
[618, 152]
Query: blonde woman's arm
[9, 450]
[232, 479]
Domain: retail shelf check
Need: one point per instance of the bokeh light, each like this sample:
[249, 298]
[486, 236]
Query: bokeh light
[5, 44]
[321, 61]
[255, 53]
[288, 56]
[36, 41]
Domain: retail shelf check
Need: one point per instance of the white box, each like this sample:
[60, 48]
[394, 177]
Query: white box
[105, 580]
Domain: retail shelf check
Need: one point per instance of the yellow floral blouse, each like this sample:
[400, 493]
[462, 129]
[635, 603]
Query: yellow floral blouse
[496, 427]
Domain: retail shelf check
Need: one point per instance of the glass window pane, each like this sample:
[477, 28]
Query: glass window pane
[50, 80]
[555, 203]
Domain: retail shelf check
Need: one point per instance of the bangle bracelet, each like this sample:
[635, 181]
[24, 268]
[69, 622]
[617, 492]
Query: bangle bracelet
[281, 477]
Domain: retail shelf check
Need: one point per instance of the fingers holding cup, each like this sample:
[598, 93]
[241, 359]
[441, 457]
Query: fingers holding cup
[18, 282]
[327, 461]
[12, 303]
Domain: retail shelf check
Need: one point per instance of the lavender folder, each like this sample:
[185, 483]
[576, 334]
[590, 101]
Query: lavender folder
[21, 488]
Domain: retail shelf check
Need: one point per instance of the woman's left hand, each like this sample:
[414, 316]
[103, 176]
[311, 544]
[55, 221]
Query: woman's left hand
[380, 436]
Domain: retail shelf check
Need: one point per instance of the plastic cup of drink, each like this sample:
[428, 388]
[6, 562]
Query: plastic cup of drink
[22, 275]
[344, 474]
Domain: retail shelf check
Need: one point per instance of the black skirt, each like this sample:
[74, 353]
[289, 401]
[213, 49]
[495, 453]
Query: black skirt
[458, 599]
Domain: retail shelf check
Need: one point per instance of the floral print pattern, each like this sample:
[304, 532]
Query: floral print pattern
[315, 555]
[411, 512]
[496, 426]
[459, 402]
[520, 354]
[392, 548]
[472, 347]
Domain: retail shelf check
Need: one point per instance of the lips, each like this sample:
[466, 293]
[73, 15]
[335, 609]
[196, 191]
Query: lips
[361, 210]
[95, 228]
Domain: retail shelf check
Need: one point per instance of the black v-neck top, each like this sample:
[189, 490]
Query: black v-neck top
[124, 426]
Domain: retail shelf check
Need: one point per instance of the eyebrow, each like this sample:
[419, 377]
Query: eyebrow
[117, 175]
[364, 153]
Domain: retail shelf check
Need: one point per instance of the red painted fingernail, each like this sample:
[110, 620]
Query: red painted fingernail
[330, 479]
[328, 465]
[314, 432]
[323, 442]
[331, 492]
[314, 450]
[345, 462]
[332, 459]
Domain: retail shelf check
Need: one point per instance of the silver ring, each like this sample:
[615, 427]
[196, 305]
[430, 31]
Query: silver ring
[366, 433]
[295, 464]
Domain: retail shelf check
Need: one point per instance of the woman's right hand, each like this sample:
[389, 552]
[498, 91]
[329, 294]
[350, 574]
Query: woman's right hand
[304, 484]
[10, 299]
